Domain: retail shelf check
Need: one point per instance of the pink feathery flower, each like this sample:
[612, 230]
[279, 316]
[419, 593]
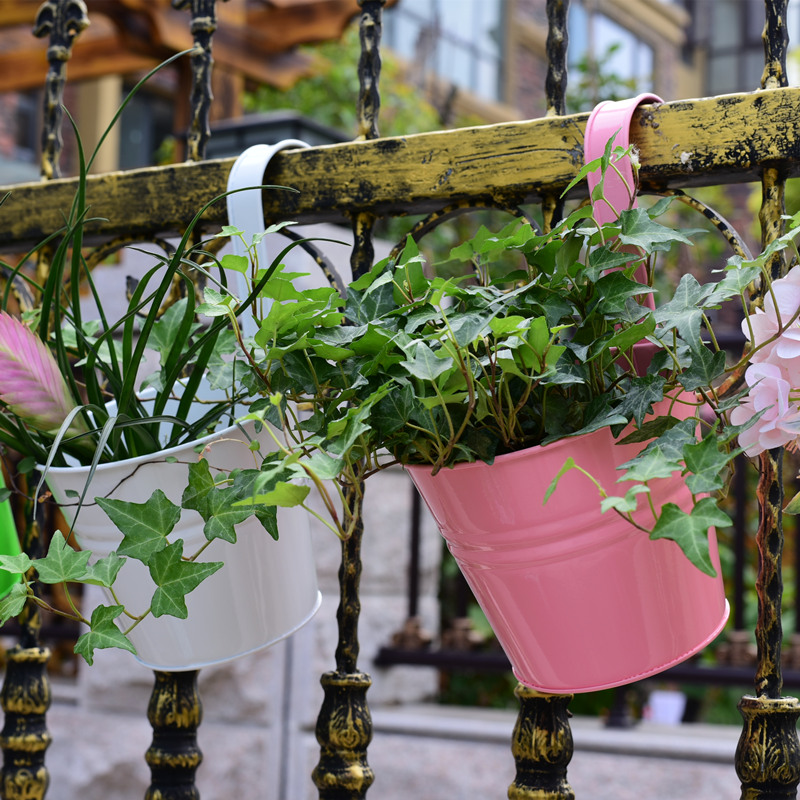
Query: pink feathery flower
[32, 385]
[770, 392]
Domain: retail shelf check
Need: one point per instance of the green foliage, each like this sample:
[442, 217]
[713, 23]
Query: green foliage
[515, 338]
[102, 362]
[102, 359]
[102, 634]
[175, 577]
[593, 80]
[441, 370]
[328, 96]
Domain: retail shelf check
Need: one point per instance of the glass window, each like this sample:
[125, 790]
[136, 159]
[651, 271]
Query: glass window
[461, 41]
[723, 72]
[146, 121]
[726, 29]
[606, 60]
[735, 49]
[27, 127]
[19, 137]
[793, 26]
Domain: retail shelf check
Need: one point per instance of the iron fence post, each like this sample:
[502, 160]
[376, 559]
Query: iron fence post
[768, 753]
[344, 724]
[542, 747]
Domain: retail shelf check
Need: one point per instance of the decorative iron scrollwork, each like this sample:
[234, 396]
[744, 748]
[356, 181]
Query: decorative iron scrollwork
[203, 26]
[175, 713]
[542, 747]
[25, 699]
[62, 21]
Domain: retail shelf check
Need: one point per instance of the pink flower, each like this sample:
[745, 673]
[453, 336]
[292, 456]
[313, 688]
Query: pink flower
[779, 425]
[780, 305]
[33, 387]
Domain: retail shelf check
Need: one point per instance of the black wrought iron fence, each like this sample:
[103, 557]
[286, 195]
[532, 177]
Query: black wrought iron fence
[737, 138]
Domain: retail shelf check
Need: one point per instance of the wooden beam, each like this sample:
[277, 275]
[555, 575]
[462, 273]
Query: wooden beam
[685, 143]
[23, 59]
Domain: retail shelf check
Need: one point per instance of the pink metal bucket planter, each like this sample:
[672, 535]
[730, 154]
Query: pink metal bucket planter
[579, 600]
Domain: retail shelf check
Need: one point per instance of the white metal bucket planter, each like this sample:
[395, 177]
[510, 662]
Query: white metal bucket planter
[266, 590]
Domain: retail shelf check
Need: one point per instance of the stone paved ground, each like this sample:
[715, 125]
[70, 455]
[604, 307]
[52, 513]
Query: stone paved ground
[604, 776]
[461, 755]
[417, 753]
[654, 762]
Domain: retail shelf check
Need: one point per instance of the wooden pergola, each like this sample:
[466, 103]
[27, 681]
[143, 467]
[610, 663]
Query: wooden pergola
[255, 43]
[254, 39]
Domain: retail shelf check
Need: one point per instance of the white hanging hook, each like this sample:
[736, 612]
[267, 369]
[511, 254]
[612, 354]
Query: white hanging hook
[246, 208]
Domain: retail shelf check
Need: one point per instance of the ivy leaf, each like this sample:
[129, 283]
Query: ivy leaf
[278, 316]
[302, 375]
[344, 433]
[793, 506]
[268, 517]
[705, 368]
[324, 465]
[18, 564]
[234, 262]
[175, 578]
[690, 531]
[650, 430]
[213, 503]
[626, 504]
[502, 326]
[198, 488]
[736, 281]
[685, 311]
[641, 395]
[145, 526]
[12, 604]
[705, 461]
[102, 634]
[509, 366]
[331, 352]
[468, 327]
[673, 440]
[371, 341]
[625, 338]
[104, 571]
[638, 229]
[281, 290]
[568, 465]
[244, 482]
[613, 292]
[648, 465]
[282, 494]
[394, 410]
[598, 414]
[426, 365]
[223, 515]
[603, 259]
[61, 563]
[164, 333]
[373, 302]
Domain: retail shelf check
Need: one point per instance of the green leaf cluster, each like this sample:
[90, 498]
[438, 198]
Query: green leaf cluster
[222, 502]
[415, 368]
[415, 363]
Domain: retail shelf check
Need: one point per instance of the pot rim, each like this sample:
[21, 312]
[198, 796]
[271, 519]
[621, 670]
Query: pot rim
[564, 442]
[146, 457]
[567, 441]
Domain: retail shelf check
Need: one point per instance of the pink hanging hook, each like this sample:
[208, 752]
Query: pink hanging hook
[612, 118]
